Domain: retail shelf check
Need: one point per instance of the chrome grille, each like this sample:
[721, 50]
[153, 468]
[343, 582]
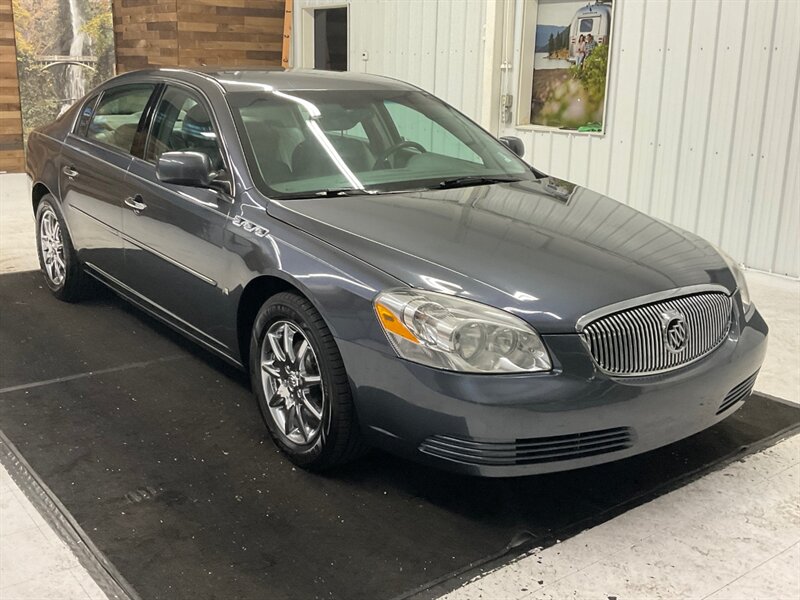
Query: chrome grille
[632, 342]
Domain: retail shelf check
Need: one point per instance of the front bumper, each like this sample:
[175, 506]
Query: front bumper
[572, 417]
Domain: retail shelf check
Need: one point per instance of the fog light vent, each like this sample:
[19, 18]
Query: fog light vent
[528, 451]
[738, 394]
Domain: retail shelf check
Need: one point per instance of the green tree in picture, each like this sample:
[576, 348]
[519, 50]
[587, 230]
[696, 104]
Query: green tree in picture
[593, 73]
[551, 44]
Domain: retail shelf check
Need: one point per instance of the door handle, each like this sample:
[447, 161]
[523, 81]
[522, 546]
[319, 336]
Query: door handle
[135, 202]
[70, 172]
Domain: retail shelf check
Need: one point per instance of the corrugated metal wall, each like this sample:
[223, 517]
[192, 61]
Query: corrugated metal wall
[702, 126]
[435, 44]
[702, 121]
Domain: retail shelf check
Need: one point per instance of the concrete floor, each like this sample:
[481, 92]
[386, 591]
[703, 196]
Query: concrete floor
[733, 534]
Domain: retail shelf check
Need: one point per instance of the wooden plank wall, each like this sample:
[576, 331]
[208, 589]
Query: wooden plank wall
[152, 33]
[145, 33]
[11, 151]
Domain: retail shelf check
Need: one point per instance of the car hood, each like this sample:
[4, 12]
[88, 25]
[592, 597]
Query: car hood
[545, 250]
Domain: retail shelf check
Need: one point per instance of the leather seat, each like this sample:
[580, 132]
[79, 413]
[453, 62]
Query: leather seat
[122, 137]
[265, 140]
[310, 159]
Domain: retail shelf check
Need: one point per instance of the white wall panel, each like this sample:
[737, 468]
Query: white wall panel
[713, 187]
[702, 46]
[435, 44]
[781, 112]
[648, 105]
[786, 256]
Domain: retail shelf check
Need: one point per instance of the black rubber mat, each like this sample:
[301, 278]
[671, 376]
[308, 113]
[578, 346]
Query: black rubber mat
[158, 451]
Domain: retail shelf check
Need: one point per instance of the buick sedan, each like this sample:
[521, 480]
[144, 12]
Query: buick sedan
[389, 273]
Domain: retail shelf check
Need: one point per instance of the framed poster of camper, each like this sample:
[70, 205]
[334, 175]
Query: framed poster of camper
[566, 65]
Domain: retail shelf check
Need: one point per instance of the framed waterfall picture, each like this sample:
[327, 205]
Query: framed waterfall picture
[64, 49]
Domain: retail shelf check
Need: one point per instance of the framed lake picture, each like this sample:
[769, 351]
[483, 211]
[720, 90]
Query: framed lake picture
[64, 49]
[570, 63]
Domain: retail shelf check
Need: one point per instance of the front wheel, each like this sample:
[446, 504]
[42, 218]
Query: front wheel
[302, 388]
[59, 263]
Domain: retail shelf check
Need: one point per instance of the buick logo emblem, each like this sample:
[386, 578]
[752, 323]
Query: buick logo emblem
[673, 324]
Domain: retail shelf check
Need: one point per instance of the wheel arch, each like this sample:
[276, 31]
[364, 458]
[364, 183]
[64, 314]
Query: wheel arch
[257, 291]
[39, 191]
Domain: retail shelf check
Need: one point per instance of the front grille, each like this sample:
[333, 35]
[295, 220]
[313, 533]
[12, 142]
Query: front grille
[632, 342]
[737, 394]
[529, 450]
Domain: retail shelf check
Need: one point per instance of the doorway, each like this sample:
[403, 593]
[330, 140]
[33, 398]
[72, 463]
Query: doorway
[330, 39]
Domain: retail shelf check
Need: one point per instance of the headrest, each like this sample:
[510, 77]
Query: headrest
[197, 123]
[337, 118]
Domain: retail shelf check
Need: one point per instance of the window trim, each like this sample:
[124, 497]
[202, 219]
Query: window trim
[143, 132]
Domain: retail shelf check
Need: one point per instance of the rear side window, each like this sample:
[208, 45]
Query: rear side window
[587, 25]
[86, 116]
[116, 117]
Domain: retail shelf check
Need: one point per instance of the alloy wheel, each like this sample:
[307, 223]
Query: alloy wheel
[52, 245]
[292, 382]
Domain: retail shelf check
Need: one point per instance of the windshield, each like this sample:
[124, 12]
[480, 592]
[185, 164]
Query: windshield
[307, 143]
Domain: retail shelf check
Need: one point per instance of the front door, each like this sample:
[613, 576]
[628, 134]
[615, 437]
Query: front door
[174, 255]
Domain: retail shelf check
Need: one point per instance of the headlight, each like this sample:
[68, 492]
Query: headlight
[458, 335]
[738, 275]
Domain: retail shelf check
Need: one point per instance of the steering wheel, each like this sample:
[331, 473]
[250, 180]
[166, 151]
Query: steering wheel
[398, 146]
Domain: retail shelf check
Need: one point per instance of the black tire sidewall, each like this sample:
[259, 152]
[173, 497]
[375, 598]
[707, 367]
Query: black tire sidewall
[289, 307]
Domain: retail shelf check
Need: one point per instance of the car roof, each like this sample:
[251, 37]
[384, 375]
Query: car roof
[260, 79]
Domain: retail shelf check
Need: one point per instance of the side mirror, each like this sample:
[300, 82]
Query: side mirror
[185, 168]
[514, 144]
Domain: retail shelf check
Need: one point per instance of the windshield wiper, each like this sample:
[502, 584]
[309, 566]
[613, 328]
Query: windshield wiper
[326, 193]
[333, 192]
[455, 182]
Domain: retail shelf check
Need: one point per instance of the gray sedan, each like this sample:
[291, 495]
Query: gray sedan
[390, 274]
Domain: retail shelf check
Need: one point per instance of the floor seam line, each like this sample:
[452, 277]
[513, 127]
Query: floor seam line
[586, 566]
[45, 382]
[782, 471]
[763, 562]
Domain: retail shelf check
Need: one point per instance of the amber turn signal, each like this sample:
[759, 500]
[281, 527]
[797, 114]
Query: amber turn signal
[391, 323]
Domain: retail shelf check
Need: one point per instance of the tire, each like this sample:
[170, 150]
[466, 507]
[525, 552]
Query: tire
[314, 424]
[58, 260]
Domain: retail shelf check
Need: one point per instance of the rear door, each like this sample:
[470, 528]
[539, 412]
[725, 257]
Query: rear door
[94, 160]
[175, 255]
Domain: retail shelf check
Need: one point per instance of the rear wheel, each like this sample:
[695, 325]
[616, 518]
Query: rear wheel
[302, 388]
[62, 271]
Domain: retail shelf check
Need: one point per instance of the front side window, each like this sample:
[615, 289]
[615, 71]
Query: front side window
[117, 115]
[182, 123]
[307, 143]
